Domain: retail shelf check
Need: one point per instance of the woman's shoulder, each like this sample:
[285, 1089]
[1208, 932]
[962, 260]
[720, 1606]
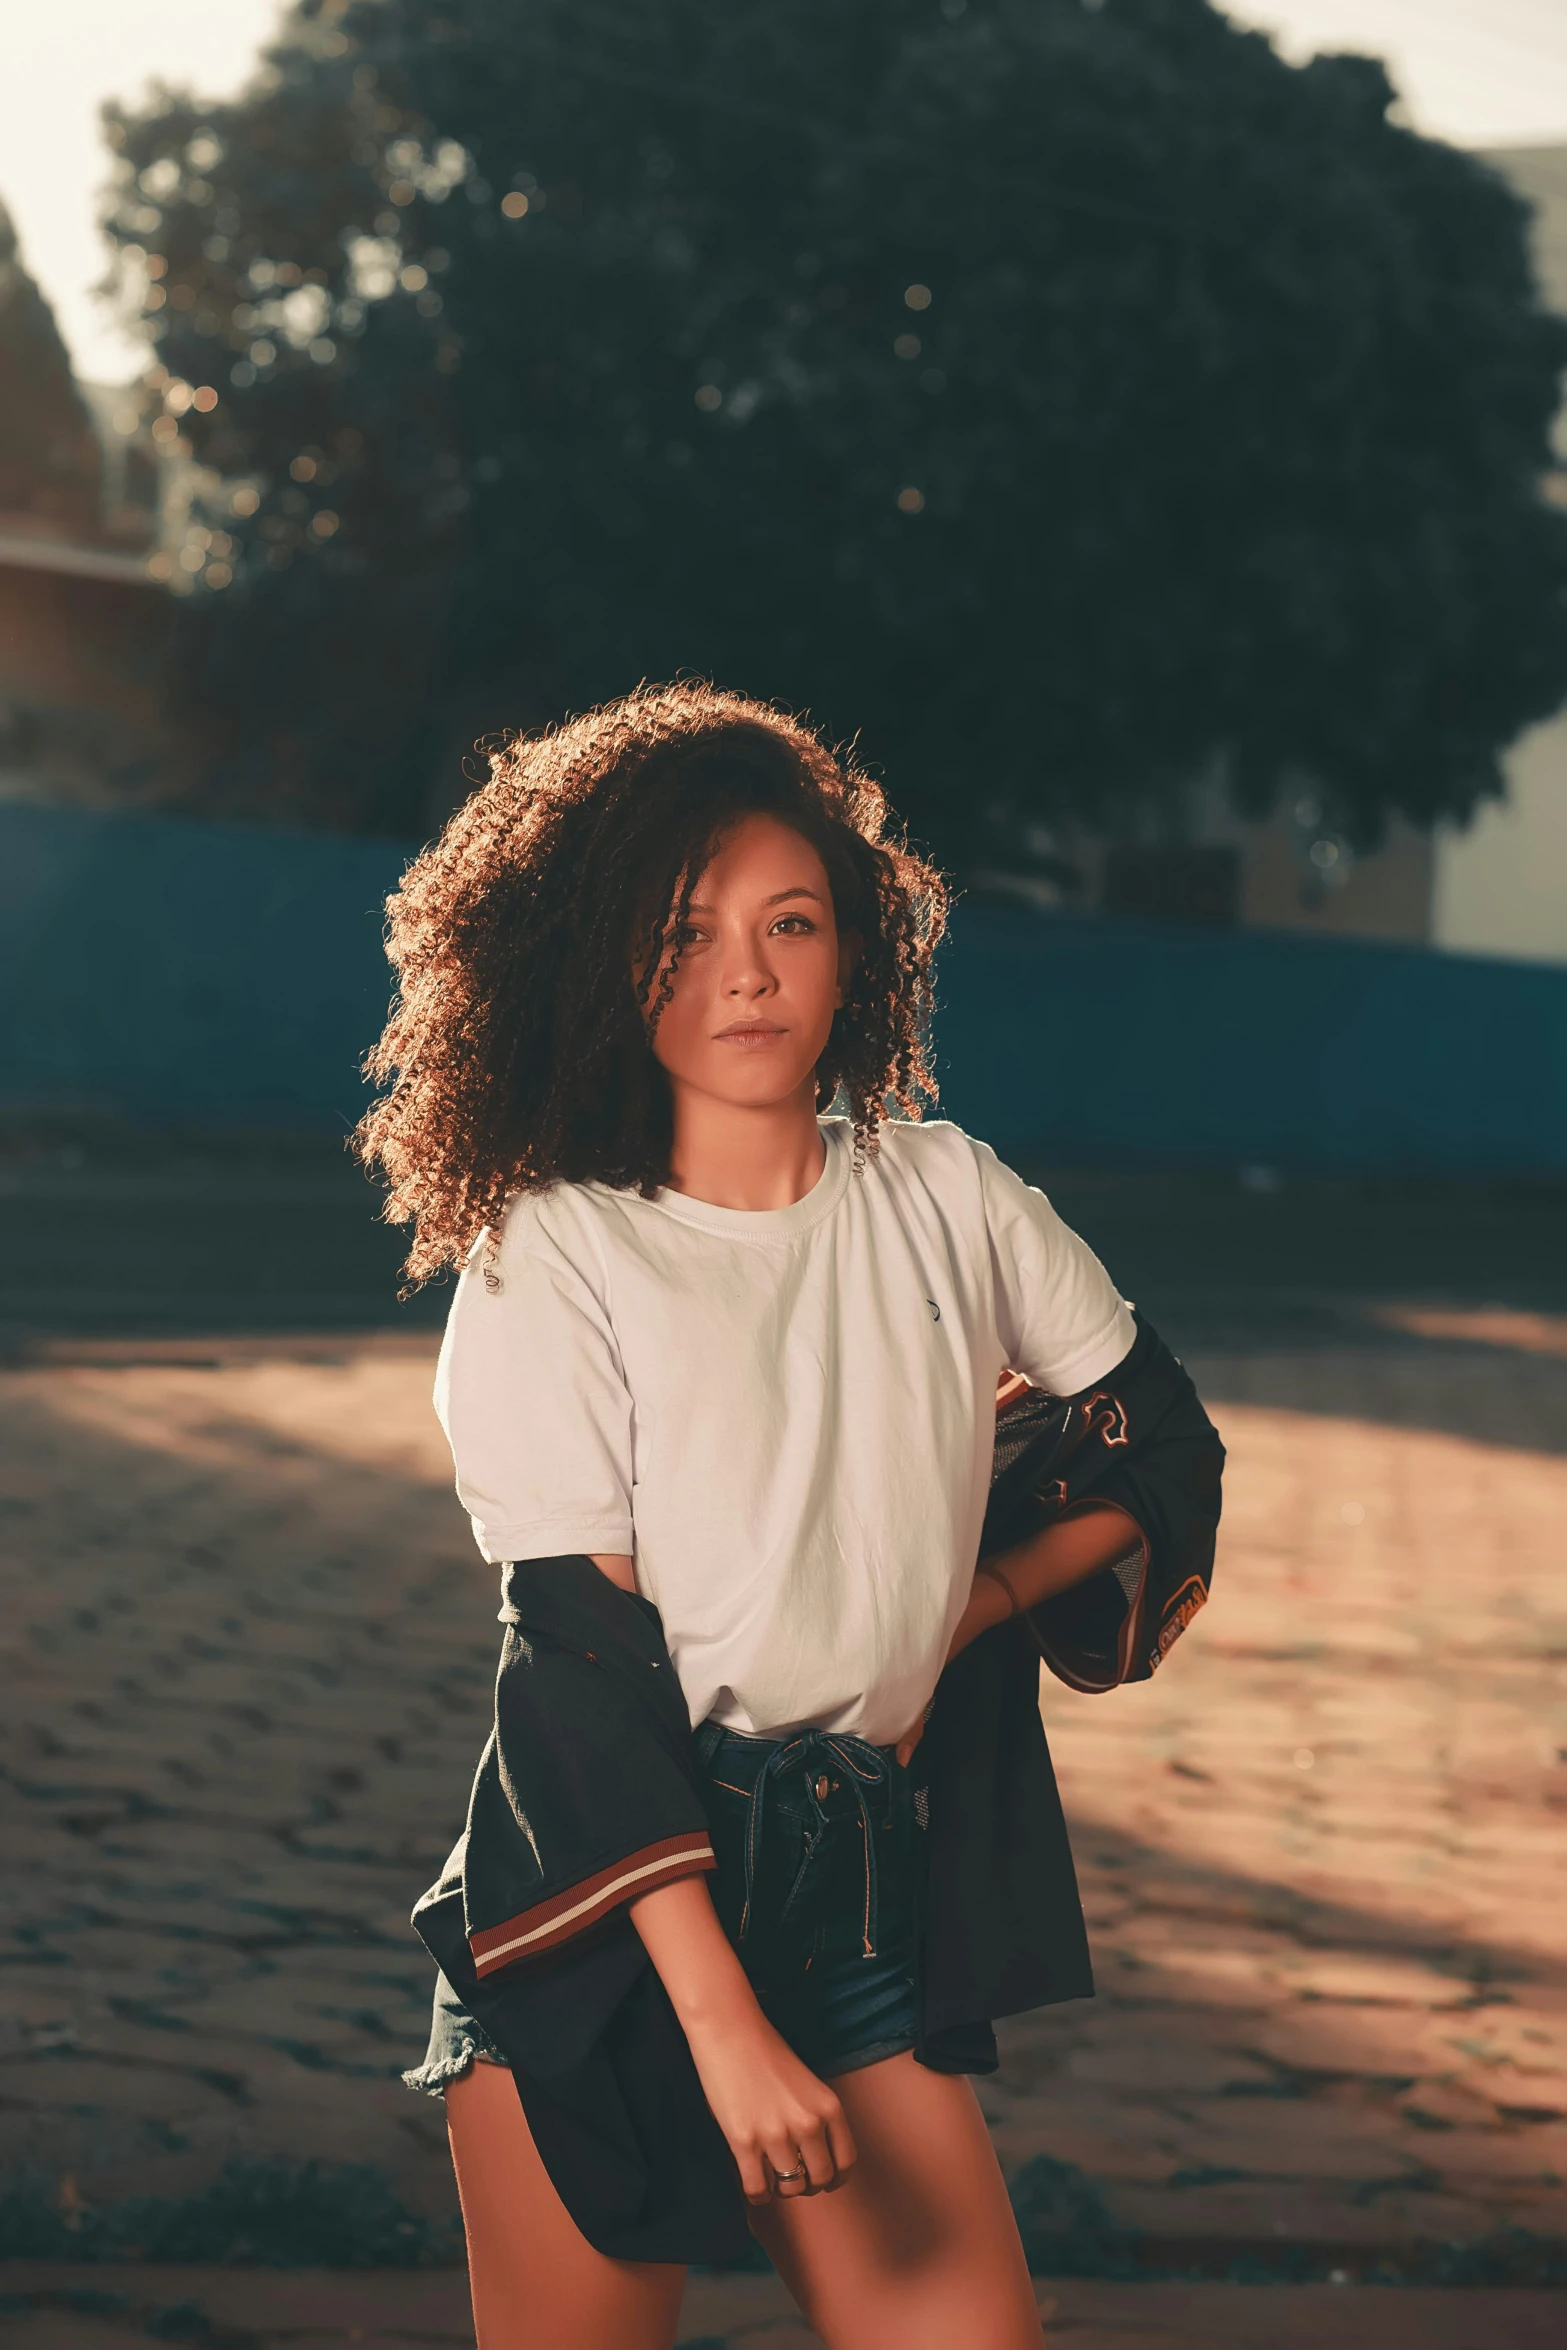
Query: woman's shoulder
[932, 1147]
[954, 1167]
[935, 1156]
[550, 1220]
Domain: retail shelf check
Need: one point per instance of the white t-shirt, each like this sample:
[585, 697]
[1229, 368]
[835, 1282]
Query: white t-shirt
[786, 1417]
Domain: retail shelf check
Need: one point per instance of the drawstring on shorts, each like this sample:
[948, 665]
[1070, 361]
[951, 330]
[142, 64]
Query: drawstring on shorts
[815, 1754]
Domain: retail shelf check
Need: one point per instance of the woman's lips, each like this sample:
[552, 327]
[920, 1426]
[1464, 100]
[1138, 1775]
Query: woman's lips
[750, 1032]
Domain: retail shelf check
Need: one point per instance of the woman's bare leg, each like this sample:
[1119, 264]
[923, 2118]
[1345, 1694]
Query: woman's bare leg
[537, 2283]
[919, 2249]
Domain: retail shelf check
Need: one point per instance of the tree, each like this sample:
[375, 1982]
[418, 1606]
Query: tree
[49, 456]
[1068, 394]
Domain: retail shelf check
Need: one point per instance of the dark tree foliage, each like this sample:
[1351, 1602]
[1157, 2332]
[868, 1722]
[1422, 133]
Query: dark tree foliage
[49, 458]
[1215, 449]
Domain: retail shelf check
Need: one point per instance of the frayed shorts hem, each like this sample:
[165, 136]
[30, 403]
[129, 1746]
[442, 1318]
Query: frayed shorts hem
[434, 2077]
[456, 2046]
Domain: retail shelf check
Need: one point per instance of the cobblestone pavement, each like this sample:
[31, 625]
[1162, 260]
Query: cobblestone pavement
[247, 1650]
[1321, 1852]
[240, 2309]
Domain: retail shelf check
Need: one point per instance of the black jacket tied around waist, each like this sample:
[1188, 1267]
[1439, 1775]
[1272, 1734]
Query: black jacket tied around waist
[587, 1795]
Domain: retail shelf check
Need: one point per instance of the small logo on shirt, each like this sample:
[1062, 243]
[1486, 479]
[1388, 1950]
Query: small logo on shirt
[935, 1310]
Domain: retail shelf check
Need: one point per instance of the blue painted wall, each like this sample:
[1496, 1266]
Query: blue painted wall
[1107, 1041]
[189, 973]
[212, 974]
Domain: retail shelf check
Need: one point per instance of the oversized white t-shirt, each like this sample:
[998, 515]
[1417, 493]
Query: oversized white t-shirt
[786, 1417]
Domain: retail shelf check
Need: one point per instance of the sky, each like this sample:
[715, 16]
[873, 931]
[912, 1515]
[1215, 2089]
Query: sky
[1479, 72]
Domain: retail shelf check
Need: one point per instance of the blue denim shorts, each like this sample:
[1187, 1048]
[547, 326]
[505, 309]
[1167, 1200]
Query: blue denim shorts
[819, 1887]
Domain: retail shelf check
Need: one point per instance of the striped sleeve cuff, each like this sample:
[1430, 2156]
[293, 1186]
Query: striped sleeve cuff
[564, 1914]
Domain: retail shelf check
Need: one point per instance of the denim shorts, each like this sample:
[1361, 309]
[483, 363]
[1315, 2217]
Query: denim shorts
[819, 1887]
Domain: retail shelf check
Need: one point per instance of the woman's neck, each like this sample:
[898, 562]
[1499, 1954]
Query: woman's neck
[755, 1159]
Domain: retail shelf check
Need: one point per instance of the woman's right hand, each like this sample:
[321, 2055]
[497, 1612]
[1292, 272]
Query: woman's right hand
[772, 2109]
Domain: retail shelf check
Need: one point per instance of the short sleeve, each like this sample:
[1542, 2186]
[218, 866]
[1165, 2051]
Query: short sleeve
[530, 1392]
[1060, 1318]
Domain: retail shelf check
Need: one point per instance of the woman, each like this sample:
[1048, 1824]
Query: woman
[720, 1383]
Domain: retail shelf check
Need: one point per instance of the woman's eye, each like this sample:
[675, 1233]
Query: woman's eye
[795, 924]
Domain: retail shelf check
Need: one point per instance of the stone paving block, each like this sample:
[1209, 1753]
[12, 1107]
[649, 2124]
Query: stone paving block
[1322, 2154]
[1532, 2093]
[1526, 2095]
[1146, 2156]
[1357, 1978]
[1067, 2128]
[1386, 2043]
[1445, 2104]
[1207, 1989]
[431, 2304]
[100, 2091]
[1270, 2211]
[1168, 2064]
[60, 2329]
[1203, 2317]
[1523, 2152]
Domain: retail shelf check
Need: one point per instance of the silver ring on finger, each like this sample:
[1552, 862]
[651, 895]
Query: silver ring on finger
[783, 2177]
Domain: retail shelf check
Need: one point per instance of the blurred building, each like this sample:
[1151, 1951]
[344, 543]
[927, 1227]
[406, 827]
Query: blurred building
[1501, 887]
[1291, 873]
[86, 493]
[84, 619]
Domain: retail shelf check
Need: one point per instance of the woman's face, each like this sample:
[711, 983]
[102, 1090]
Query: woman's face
[762, 969]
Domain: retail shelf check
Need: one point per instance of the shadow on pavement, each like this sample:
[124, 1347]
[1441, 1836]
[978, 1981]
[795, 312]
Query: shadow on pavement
[253, 1655]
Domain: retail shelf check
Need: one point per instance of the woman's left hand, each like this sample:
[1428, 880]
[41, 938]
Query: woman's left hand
[1063, 1553]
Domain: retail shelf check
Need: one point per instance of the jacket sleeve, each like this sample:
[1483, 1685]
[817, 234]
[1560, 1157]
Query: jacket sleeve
[586, 1795]
[1141, 1439]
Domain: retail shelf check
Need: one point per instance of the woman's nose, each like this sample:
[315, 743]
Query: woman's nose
[747, 972]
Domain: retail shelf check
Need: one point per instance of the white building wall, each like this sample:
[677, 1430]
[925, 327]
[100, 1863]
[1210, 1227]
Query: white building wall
[1501, 887]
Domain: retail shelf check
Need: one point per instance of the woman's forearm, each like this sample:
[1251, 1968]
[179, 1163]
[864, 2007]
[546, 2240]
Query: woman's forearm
[682, 1936]
[785, 2128]
[1065, 1552]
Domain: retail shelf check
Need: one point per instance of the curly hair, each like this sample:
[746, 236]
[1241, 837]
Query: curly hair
[518, 1051]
